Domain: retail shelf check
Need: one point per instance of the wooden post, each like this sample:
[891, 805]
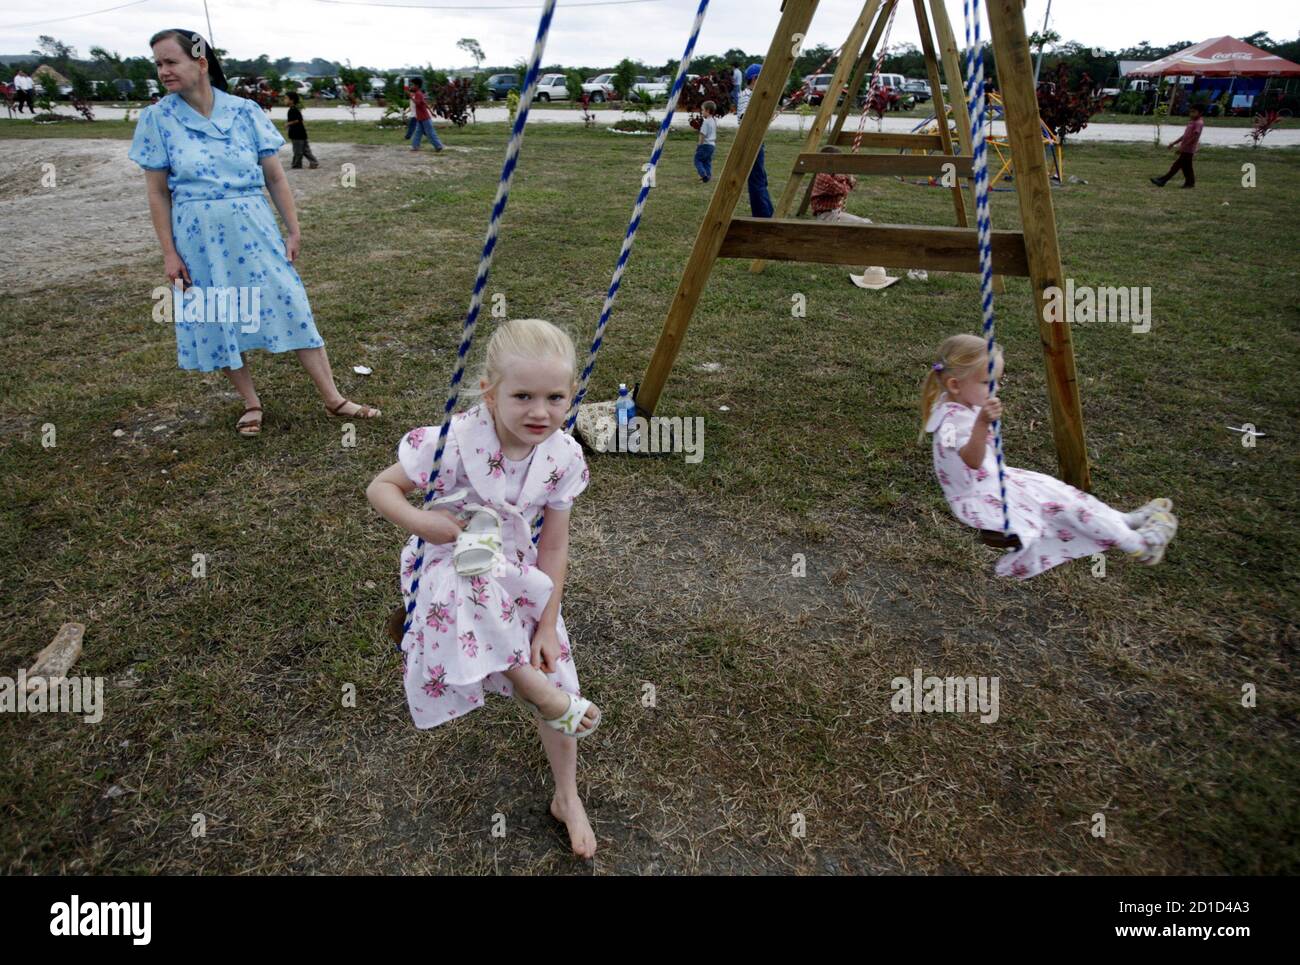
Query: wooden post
[825, 110]
[952, 72]
[940, 113]
[795, 17]
[1038, 221]
[865, 62]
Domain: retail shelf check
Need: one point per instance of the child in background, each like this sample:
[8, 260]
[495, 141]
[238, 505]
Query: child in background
[501, 630]
[1053, 521]
[829, 194]
[708, 141]
[423, 118]
[298, 133]
[1188, 143]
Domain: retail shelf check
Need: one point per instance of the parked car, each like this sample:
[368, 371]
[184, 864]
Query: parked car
[889, 96]
[919, 89]
[816, 86]
[645, 87]
[553, 87]
[601, 88]
[499, 85]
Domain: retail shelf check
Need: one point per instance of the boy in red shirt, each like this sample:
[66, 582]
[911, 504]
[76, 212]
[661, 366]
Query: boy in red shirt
[423, 117]
[1187, 143]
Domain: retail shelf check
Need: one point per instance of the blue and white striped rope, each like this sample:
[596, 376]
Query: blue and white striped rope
[629, 237]
[480, 282]
[983, 224]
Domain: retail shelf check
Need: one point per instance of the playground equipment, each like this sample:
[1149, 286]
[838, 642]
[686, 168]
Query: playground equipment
[1032, 252]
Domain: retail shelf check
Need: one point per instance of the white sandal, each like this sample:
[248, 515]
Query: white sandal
[478, 547]
[1161, 529]
[567, 723]
[1144, 513]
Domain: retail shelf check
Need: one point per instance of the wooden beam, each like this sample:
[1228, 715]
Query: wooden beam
[940, 114]
[865, 64]
[826, 108]
[952, 73]
[893, 246]
[795, 17]
[903, 165]
[883, 139]
[1042, 248]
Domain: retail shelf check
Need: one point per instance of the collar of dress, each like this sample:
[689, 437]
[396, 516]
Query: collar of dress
[483, 461]
[218, 125]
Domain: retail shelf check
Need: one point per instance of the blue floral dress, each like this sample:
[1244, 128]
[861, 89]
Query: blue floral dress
[246, 293]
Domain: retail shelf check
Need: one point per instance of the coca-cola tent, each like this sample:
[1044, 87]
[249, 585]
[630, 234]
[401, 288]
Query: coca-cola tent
[1219, 57]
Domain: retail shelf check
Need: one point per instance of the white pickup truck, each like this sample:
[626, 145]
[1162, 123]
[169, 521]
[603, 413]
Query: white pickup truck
[656, 89]
[552, 87]
[600, 87]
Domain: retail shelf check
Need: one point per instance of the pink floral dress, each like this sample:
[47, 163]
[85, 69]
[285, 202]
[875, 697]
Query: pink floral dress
[465, 631]
[1055, 521]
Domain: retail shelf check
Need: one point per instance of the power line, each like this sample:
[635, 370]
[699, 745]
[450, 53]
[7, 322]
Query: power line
[75, 16]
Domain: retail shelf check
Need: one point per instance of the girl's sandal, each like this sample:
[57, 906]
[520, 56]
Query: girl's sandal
[478, 547]
[363, 411]
[1158, 533]
[567, 723]
[252, 427]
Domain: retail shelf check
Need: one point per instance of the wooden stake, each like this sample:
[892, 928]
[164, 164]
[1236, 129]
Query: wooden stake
[1038, 221]
[795, 17]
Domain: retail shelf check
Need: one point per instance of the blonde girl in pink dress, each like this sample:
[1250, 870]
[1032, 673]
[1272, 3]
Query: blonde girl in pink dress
[1053, 521]
[508, 459]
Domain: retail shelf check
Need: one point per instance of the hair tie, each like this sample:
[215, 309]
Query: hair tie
[937, 367]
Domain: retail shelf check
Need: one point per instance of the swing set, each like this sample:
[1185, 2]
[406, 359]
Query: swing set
[1033, 252]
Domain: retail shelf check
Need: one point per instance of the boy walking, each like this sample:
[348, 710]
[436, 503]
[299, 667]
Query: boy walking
[298, 133]
[1187, 145]
[423, 117]
[708, 141]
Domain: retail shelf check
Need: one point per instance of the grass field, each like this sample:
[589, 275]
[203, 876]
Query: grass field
[1120, 695]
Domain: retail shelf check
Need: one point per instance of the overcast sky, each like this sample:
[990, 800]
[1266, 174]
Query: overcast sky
[396, 33]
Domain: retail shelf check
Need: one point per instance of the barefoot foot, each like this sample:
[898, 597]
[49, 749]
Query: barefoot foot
[571, 813]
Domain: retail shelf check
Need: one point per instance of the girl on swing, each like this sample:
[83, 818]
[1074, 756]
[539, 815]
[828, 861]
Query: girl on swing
[487, 612]
[1053, 521]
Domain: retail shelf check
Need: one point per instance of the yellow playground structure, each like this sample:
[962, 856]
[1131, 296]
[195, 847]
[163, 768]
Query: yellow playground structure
[1053, 150]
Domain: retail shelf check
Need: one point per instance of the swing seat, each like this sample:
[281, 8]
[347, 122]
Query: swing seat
[999, 540]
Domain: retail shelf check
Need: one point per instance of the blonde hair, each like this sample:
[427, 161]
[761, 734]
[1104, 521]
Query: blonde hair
[529, 339]
[960, 356]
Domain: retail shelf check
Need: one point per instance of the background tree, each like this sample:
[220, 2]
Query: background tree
[471, 47]
[624, 77]
[1065, 106]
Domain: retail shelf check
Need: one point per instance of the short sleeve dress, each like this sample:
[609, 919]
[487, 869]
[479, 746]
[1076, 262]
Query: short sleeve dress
[466, 631]
[246, 293]
[1054, 521]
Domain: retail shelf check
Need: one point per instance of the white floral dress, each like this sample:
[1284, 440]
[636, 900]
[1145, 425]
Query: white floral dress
[465, 631]
[1055, 521]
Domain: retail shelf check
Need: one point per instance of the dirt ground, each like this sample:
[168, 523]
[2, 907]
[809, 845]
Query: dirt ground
[96, 206]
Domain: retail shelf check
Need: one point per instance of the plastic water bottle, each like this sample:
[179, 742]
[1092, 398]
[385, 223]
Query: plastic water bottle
[625, 411]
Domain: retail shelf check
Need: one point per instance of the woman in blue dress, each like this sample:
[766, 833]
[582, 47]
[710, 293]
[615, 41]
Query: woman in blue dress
[207, 156]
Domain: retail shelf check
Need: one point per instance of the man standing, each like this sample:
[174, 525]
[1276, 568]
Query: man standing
[760, 202]
[737, 85]
[1187, 145]
[24, 91]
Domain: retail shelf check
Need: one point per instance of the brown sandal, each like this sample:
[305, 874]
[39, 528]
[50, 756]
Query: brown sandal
[363, 412]
[252, 427]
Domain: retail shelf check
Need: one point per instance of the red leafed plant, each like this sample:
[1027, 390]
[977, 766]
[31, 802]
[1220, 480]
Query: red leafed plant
[1066, 108]
[1264, 123]
[716, 87]
[454, 100]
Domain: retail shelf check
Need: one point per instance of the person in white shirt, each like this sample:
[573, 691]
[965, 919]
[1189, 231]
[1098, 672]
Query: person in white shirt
[708, 141]
[24, 91]
[760, 201]
[737, 84]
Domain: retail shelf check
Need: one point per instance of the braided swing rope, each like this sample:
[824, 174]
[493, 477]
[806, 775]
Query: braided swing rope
[875, 79]
[629, 237]
[480, 282]
[983, 224]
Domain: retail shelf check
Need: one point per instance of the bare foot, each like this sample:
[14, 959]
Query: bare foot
[571, 813]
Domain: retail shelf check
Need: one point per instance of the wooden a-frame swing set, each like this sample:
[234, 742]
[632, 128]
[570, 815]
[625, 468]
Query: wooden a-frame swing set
[1033, 252]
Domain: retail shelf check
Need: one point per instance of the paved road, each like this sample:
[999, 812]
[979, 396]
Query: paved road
[1214, 136]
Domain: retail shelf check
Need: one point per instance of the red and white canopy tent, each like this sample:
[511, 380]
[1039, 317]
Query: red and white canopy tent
[1219, 57]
